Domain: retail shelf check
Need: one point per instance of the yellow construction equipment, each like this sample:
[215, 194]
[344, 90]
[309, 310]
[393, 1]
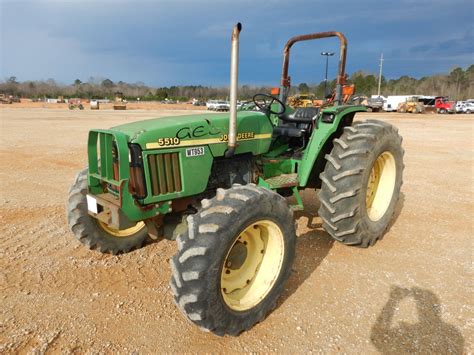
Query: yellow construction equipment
[301, 100]
[120, 103]
[411, 105]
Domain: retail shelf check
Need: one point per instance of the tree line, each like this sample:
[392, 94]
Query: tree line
[457, 84]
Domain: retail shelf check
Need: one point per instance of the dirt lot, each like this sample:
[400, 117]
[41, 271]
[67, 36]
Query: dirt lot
[132, 105]
[408, 293]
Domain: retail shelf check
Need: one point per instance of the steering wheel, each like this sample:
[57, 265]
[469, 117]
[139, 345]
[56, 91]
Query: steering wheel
[264, 102]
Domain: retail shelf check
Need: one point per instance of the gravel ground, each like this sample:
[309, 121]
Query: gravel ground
[409, 293]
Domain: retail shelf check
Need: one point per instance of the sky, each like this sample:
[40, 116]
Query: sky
[183, 42]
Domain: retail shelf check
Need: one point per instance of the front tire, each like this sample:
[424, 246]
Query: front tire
[95, 234]
[234, 257]
[361, 183]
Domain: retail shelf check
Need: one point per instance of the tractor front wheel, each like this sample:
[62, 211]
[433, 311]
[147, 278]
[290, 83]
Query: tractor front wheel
[95, 234]
[234, 257]
[361, 183]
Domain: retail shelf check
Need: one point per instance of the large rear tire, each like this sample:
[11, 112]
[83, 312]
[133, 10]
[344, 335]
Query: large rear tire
[94, 234]
[361, 183]
[234, 257]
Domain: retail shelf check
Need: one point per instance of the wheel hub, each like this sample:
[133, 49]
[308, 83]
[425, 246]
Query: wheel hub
[122, 233]
[237, 256]
[252, 265]
[380, 186]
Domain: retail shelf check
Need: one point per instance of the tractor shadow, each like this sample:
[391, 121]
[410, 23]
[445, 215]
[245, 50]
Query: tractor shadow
[429, 335]
[314, 244]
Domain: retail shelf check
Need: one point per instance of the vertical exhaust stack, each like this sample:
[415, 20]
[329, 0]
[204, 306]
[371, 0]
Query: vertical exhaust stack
[234, 74]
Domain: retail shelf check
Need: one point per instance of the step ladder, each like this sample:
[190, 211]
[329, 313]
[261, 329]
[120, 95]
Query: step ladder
[281, 181]
[287, 181]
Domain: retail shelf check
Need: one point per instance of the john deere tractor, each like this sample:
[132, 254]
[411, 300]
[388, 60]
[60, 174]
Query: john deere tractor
[217, 184]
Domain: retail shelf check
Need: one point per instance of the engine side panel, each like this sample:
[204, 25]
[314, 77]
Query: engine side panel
[254, 132]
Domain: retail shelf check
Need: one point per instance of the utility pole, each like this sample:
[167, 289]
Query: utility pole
[380, 73]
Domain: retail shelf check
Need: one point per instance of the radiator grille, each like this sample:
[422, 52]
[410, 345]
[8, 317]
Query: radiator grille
[165, 173]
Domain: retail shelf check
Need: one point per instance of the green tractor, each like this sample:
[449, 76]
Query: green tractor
[216, 183]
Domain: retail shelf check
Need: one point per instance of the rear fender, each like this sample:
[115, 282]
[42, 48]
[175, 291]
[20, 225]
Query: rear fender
[330, 125]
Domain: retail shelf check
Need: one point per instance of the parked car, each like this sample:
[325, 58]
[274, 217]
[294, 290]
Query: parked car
[216, 105]
[222, 106]
[459, 108]
[468, 107]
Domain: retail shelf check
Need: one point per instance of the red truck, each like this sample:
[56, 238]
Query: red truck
[443, 105]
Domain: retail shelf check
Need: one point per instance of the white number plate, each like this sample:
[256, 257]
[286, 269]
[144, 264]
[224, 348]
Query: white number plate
[91, 204]
[195, 152]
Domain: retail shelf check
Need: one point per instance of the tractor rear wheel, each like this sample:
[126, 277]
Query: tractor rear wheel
[361, 183]
[234, 257]
[95, 234]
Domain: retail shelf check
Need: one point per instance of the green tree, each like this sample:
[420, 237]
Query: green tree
[459, 80]
[457, 75]
[365, 84]
[77, 82]
[12, 86]
[12, 80]
[161, 94]
[303, 88]
[108, 84]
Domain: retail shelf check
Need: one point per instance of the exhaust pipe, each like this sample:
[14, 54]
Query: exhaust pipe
[234, 74]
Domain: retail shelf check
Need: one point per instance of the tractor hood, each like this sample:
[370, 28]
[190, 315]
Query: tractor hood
[195, 130]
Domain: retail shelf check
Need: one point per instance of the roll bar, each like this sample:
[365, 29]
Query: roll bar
[286, 80]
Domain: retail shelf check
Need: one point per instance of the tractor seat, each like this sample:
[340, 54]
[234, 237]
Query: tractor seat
[300, 115]
[296, 124]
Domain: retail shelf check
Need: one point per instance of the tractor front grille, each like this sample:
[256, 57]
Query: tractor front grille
[165, 173]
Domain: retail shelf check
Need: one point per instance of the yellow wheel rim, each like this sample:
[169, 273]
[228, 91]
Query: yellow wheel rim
[380, 186]
[252, 265]
[122, 233]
